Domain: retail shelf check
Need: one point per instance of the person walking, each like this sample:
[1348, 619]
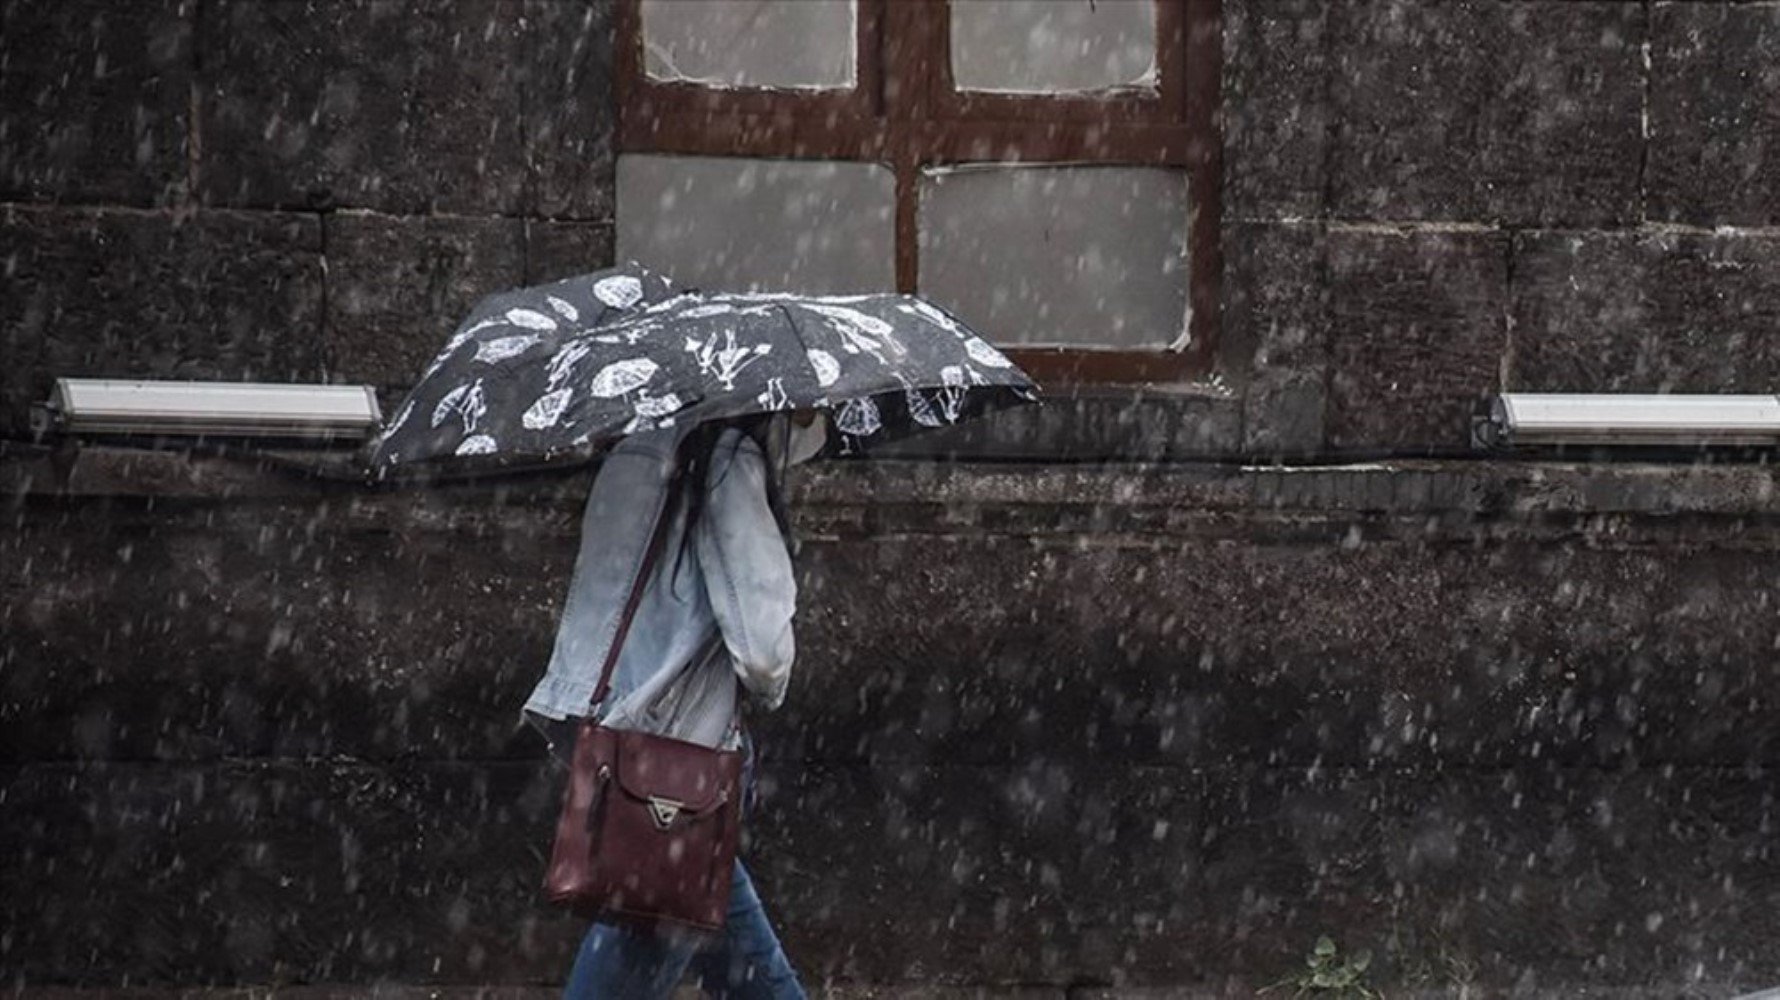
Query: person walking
[711, 632]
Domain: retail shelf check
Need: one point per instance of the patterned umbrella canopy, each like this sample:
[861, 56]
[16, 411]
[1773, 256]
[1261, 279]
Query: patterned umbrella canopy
[562, 368]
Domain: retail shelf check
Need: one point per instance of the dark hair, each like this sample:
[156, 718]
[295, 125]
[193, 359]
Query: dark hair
[691, 484]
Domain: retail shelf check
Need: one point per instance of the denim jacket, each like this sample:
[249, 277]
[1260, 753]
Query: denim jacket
[711, 614]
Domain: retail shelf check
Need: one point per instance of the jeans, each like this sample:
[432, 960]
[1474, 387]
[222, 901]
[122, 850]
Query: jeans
[743, 961]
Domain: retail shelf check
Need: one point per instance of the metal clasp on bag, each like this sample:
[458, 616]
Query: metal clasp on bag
[664, 811]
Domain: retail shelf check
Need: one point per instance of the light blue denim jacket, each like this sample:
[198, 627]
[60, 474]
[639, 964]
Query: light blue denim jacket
[717, 612]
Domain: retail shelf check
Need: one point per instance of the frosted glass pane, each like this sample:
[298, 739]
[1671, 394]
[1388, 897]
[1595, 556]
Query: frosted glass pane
[796, 44]
[1053, 46]
[1059, 255]
[735, 224]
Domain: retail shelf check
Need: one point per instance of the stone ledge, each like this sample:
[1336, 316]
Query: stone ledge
[953, 492]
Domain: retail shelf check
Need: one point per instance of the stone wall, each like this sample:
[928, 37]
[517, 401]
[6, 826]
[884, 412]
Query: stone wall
[1427, 202]
[315, 190]
[1058, 727]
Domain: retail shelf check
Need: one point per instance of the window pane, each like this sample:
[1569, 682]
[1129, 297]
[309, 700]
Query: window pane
[801, 44]
[1059, 255]
[1054, 46]
[734, 224]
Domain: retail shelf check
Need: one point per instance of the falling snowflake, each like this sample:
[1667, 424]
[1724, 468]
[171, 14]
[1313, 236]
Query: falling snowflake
[621, 377]
[620, 291]
[531, 319]
[547, 410]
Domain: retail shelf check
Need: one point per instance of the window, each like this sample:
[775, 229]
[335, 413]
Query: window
[1048, 169]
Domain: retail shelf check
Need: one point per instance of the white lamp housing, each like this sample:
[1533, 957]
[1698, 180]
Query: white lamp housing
[1531, 419]
[239, 409]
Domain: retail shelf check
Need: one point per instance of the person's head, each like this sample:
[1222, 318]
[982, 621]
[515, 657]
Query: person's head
[785, 440]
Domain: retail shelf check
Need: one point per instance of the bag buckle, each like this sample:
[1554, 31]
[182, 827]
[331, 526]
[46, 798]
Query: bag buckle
[664, 811]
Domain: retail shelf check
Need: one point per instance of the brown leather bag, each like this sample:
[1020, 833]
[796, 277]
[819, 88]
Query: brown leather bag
[649, 824]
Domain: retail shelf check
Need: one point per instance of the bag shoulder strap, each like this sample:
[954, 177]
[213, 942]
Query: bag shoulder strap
[657, 539]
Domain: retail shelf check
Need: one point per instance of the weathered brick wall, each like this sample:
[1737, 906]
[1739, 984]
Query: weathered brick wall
[1431, 201]
[266, 190]
[1054, 726]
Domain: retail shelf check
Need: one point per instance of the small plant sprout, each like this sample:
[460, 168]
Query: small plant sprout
[1328, 974]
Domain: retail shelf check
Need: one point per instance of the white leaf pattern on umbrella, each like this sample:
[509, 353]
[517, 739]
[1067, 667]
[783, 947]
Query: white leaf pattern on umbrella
[619, 291]
[724, 363]
[540, 372]
[531, 319]
[401, 418]
[478, 444]
[467, 402]
[563, 364]
[827, 369]
[920, 410]
[657, 406]
[934, 316]
[980, 352]
[864, 322]
[858, 418]
[564, 308]
[621, 377]
[951, 398]
[502, 348]
[774, 397]
[547, 410]
[869, 336]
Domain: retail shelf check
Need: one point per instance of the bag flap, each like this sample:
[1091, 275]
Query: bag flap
[652, 766]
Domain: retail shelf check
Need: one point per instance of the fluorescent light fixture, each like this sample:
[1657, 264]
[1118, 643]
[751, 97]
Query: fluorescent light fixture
[1531, 419]
[235, 409]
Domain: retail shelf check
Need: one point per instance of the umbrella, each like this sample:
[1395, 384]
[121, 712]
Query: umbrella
[527, 378]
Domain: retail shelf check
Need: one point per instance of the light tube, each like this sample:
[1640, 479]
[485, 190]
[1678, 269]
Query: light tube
[1527, 418]
[243, 409]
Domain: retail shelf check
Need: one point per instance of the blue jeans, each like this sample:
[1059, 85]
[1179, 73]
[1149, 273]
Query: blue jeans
[743, 962]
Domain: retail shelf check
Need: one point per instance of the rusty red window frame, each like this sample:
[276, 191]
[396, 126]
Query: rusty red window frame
[904, 111]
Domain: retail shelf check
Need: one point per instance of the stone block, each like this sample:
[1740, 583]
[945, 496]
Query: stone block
[357, 659]
[1665, 312]
[1520, 113]
[1043, 873]
[570, 111]
[281, 871]
[98, 292]
[1275, 108]
[556, 250]
[1714, 114]
[1417, 332]
[1275, 317]
[304, 105]
[1108, 424]
[94, 101]
[407, 624]
[398, 286]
